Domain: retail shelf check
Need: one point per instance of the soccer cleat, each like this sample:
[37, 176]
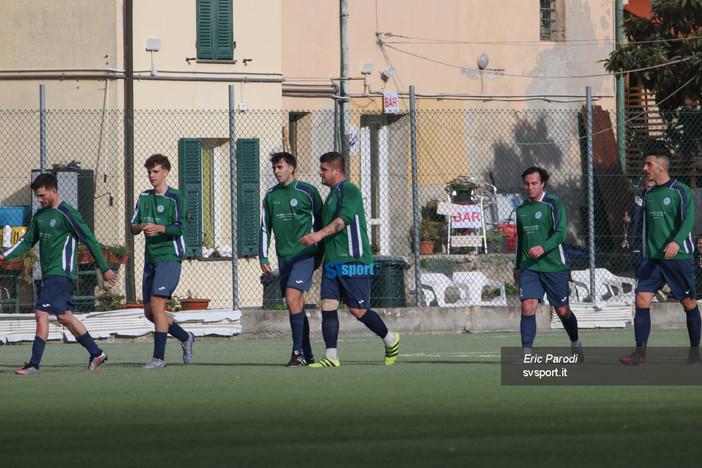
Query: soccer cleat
[28, 369]
[188, 348]
[578, 351]
[297, 360]
[634, 359]
[693, 356]
[155, 363]
[95, 361]
[392, 350]
[326, 362]
[309, 358]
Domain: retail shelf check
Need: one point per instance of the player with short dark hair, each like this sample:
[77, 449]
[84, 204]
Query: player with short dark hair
[160, 215]
[669, 216]
[291, 209]
[541, 263]
[345, 242]
[57, 226]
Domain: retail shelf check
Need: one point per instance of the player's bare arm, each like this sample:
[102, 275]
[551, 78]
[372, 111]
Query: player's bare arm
[332, 228]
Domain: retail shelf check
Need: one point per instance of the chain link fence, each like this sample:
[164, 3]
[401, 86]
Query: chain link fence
[469, 165]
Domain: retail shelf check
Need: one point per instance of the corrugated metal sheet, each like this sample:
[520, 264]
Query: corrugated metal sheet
[121, 323]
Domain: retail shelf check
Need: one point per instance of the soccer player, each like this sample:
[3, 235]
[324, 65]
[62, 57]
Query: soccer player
[345, 244]
[160, 215]
[541, 263]
[291, 210]
[57, 226]
[669, 215]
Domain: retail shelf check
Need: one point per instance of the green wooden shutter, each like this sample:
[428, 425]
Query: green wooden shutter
[249, 205]
[190, 180]
[215, 40]
[205, 28]
[223, 34]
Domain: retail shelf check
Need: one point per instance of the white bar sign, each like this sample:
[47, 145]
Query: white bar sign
[391, 104]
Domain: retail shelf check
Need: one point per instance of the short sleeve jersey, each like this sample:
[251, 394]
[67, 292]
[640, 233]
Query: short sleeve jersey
[289, 212]
[541, 222]
[351, 243]
[669, 217]
[167, 210]
[57, 230]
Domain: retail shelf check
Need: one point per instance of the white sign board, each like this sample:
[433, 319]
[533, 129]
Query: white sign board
[468, 216]
[391, 103]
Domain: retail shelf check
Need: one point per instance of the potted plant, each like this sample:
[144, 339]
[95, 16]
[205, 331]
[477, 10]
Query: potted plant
[428, 234]
[115, 253]
[193, 303]
[83, 255]
[109, 300]
[461, 190]
[496, 241]
[24, 263]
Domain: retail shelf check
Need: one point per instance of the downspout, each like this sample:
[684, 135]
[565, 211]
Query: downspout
[621, 115]
[344, 73]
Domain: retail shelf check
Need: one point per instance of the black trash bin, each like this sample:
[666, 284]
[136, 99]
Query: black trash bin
[272, 298]
[388, 287]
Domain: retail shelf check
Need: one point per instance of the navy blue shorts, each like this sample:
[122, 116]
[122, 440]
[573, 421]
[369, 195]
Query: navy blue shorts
[296, 273]
[55, 296]
[679, 274]
[533, 284]
[353, 289]
[160, 279]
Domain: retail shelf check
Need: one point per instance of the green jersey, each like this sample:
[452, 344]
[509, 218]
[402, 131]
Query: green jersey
[167, 209]
[541, 222]
[57, 230]
[669, 216]
[351, 244]
[290, 212]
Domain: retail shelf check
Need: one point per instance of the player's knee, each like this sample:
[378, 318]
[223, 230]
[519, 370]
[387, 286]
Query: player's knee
[330, 304]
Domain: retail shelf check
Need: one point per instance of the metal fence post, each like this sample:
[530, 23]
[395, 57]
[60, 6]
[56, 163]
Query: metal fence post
[415, 201]
[42, 128]
[590, 193]
[234, 201]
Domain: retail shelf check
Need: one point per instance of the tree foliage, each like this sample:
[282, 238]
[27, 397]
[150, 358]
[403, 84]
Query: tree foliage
[673, 34]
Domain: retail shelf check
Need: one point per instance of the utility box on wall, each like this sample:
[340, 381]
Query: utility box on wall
[77, 188]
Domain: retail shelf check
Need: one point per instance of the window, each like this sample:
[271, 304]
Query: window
[552, 20]
[215, 30]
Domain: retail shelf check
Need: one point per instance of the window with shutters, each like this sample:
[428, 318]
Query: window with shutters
[249, 203]
[201, 175]
[215, 36]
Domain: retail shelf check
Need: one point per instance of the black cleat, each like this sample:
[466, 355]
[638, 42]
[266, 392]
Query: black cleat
[297, 360]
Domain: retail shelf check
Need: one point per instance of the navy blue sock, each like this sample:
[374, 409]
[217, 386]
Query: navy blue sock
[306, 346]
[177, 332]
[160, 345]
[330, 327]
[37, 350]
[527, 327]
[297, 325]
[374, 323]
[642, 325]
[88, 343]
[571, 327]
[693, 325]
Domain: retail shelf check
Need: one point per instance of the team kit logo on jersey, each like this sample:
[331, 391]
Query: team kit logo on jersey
[666, 201]
[293, 202]
[160, 208]
[52, 223]
[537, 215]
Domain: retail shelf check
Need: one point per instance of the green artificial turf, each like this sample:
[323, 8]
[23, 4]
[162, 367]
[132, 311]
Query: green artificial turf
[441, 404]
